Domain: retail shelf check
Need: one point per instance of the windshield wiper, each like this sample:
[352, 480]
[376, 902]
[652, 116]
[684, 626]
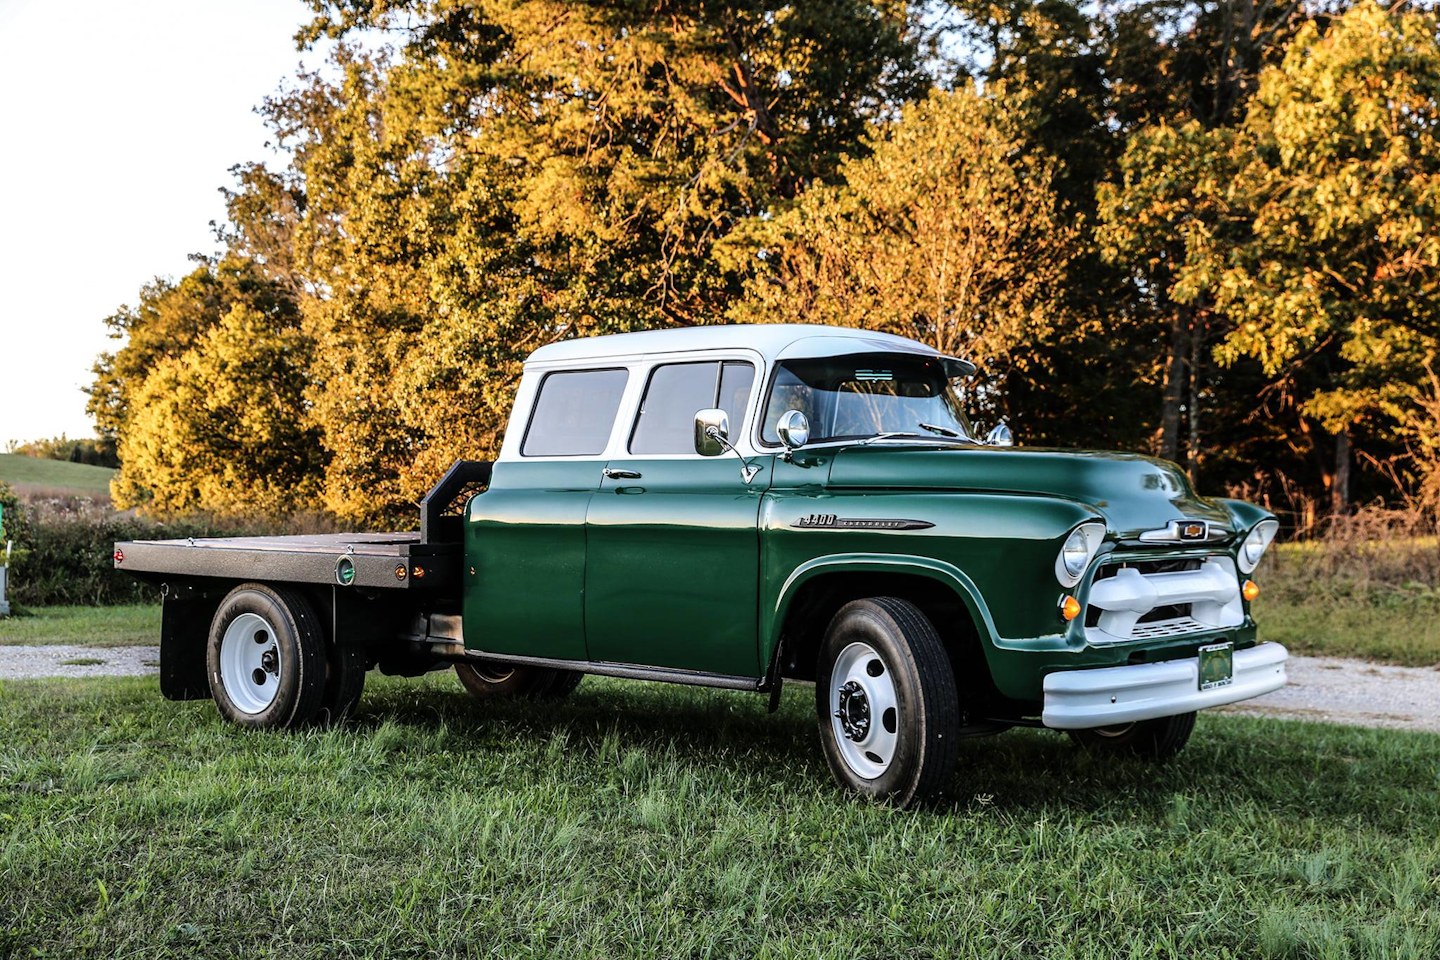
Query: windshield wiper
[936, 428]
[948, 435]
[885, 436]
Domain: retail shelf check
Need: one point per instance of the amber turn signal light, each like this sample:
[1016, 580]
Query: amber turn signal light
[1069, 608]
[1249, 590]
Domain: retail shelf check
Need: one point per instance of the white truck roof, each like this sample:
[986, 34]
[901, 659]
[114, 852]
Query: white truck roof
[773, 341]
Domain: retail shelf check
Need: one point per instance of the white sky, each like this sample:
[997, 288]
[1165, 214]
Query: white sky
[119, 123]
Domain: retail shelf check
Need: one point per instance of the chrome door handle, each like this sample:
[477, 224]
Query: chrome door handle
[613, 474]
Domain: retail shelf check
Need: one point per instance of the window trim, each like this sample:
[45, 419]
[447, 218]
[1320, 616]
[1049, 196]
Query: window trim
[535, 405]
[655, 368]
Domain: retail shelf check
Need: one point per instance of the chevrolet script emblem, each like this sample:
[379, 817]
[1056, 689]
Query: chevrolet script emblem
[829, 521]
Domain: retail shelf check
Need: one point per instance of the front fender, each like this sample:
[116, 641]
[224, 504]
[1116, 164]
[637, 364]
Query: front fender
[939, 570]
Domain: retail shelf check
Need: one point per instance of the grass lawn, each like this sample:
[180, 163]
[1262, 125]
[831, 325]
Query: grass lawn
[84, 626]
[657, 821]
[56, 475]
[1407, 634]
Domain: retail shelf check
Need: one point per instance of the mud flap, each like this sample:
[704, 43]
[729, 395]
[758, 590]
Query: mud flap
[184, 632]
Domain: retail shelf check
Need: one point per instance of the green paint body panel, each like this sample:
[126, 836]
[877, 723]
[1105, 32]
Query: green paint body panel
[672, 565]
[689, 567]
[525, 541]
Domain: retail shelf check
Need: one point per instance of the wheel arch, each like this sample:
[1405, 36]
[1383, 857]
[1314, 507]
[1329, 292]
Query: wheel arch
[818, 588]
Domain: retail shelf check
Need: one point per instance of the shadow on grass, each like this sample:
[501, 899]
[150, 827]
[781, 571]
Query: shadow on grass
[1316, 770]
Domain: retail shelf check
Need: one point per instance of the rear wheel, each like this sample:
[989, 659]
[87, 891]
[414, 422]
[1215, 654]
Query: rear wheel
[886, 701]
[1158, 739]
[487, 678]
[266, 658]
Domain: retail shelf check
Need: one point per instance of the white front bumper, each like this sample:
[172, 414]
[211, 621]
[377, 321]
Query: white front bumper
[1079, 699]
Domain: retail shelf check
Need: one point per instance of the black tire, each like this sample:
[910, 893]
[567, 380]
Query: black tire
[485, 680]
[926, 717]
[346, 667]
[564, 684]
[1157, 740]
[298, 646]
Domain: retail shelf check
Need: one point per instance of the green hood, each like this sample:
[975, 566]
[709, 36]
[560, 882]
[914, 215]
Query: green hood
[1133, 493]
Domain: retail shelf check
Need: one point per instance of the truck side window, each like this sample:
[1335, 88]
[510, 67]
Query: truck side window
[666, 422]
[736, 379]
[574, 412]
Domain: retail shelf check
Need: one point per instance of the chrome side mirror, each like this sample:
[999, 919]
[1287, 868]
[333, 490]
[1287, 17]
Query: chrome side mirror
[712, 429]
[712, 438]
[1000, 436]
[793, 429]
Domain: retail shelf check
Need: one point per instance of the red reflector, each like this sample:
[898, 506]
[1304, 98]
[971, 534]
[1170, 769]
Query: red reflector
[119, 556]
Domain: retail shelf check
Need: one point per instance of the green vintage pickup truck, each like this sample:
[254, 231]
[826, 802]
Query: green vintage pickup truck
[742, 506]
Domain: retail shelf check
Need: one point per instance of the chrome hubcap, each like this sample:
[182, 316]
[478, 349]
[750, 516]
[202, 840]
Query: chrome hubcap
[864, 713]
[250, 663]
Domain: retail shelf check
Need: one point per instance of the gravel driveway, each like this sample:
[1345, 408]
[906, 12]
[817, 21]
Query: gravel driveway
[1321, 688]
[1356, 692]
[25, 663]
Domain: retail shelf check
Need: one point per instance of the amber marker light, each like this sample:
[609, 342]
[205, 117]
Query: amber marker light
[1069, 608]
[418, 572]
[1250, 590]
[400, 572]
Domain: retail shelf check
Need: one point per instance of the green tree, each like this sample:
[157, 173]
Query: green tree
[205, 399]
[948, 231]
[221, 427]
[519, 171]
[1308, 230]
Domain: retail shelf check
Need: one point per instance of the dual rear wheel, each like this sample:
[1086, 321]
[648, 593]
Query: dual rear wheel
[270, 665]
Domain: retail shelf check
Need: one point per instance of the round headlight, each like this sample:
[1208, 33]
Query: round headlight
[1256, 542]
[1078, 550]
[1076, 553]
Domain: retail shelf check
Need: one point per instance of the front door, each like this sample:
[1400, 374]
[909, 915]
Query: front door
[672, 540]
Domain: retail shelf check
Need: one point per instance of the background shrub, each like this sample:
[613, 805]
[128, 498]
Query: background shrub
[66, 547]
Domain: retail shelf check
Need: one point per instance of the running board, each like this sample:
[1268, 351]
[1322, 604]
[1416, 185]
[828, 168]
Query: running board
[604, 668]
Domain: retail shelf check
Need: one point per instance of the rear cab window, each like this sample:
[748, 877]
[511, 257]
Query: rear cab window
[574, 413]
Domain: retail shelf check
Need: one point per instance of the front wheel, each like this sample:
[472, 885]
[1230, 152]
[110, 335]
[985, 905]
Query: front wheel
[1158, 739]
[886, 701]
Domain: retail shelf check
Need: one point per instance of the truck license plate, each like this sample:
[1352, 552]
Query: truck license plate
[1217, 665]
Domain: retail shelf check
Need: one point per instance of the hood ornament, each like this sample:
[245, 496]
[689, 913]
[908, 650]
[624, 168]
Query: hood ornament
[1183, 531]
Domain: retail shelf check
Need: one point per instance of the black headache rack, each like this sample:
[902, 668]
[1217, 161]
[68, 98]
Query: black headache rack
[427, 560]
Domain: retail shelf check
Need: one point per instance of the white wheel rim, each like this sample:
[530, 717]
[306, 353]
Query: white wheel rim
[863, 711]
[1118, 730]
[249, 651]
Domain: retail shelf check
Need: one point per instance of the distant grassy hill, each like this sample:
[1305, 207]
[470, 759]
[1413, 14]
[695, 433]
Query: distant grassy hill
[58, 475]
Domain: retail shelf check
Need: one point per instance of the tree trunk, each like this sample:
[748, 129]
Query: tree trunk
[1174, 387]
[1192, 408]
[1340, 486]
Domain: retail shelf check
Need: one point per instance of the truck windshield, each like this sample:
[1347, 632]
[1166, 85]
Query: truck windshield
[866, 395]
